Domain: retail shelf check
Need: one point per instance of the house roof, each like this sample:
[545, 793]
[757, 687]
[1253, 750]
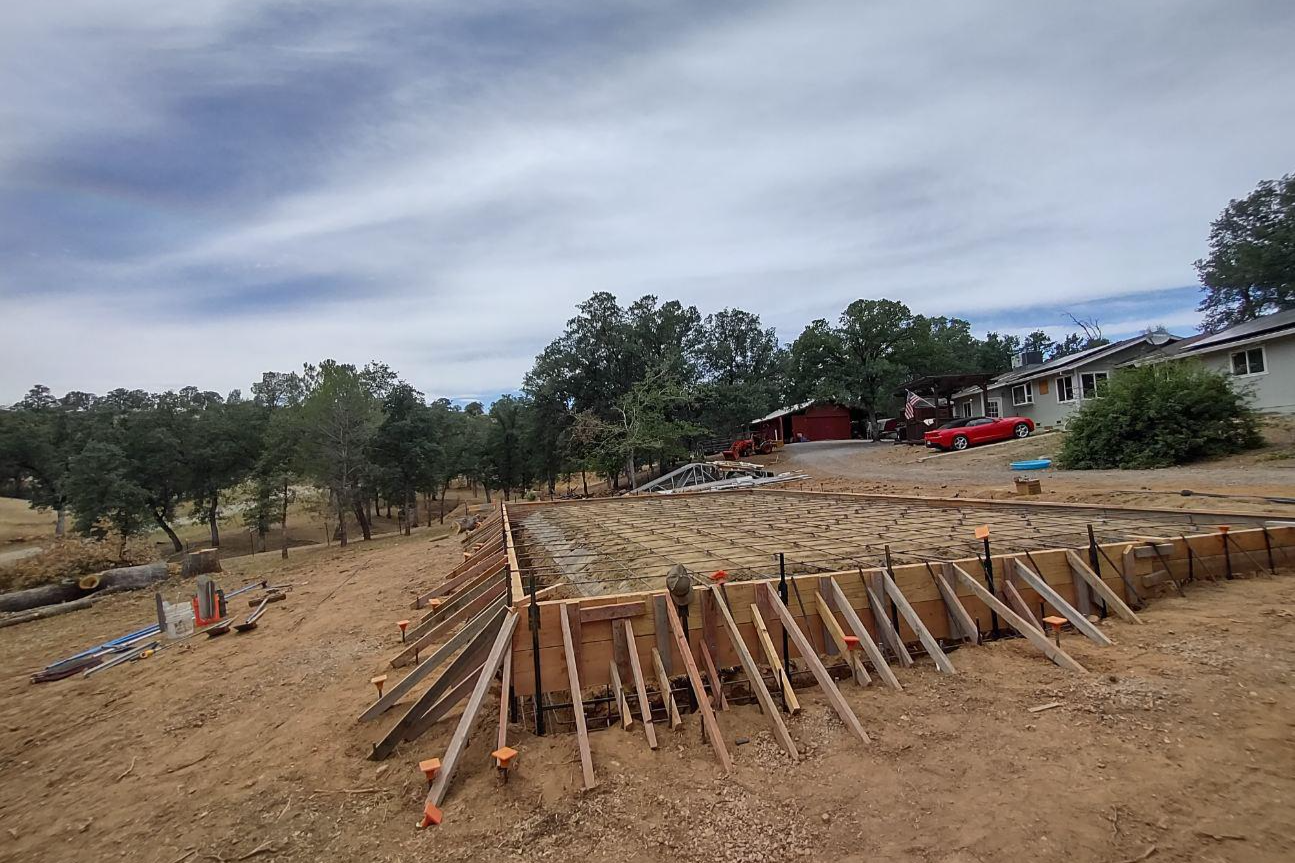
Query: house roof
[782, 412]
[943, 383]
[1265, 327]
[1071, 361]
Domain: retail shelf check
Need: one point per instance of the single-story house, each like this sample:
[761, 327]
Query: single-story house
[1049, 391]
[815, 420]
[1260, 354]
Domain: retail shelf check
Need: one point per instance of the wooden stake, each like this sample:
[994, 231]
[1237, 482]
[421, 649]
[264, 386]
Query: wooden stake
[1016, 601]
[1081, 572]
[505, 686]
[667, 697]
[753, 675]
[709, 722]
[824, 679]
[645, 706]
[882, 623]
[1054, 599]
[577, 700]
[869, 646]
[915, 623]
[622, 704]
[459, 742]
[837, 637]
[958, 613]
[1034, 636]
[774, 661]
[712, 673]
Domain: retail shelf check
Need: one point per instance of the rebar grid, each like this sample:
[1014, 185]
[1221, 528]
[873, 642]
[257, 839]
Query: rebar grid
[630, 544]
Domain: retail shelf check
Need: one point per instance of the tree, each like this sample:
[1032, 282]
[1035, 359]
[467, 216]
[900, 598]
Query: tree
[816, 364]
[994, 354]
[1250, 270]
[874, 334]
[742, 367]
[1157, 416]
[404, 447]
[37, 440]
[224, 446]
[107, 498]
[339, 416]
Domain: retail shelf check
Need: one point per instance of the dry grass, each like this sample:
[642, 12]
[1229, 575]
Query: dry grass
[21, 526]
[71, 557]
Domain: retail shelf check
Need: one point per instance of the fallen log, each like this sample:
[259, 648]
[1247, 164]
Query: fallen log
[50, 610]
[122, 578]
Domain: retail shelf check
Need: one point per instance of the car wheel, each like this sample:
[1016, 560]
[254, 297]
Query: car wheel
[1021, 430]
[960, 442]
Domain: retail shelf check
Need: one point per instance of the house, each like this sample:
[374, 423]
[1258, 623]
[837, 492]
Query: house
[1260, 354]
[814, 420]
[1048, 392]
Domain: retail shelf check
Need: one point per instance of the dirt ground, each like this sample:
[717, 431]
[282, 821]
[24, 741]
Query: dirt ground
[1178, 746]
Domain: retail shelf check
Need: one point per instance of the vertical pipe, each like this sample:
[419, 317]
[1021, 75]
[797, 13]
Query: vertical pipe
[1227, 553]
[782, 593]
[988, 564]
[894, 610]
[534, 617]
[1268, 546]
[1095, 564]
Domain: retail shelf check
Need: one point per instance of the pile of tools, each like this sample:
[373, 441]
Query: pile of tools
[206, 613]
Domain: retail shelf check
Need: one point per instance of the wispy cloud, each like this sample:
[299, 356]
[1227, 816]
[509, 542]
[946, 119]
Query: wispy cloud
[197, 191]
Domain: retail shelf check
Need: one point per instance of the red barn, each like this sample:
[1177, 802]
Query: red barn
[813, 420]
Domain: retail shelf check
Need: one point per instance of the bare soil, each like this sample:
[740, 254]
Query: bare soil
[1178, 746]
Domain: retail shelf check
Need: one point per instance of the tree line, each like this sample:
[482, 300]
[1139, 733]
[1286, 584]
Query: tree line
[623, 388]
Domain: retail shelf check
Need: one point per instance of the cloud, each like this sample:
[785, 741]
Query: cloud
[196, 192]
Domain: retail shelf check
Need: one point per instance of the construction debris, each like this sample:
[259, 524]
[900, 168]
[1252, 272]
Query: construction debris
[715, 476]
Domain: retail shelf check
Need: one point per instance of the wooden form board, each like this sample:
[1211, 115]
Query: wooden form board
[914, 580]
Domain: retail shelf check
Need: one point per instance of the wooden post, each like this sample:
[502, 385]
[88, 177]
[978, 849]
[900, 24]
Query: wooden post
[1051, 597]
[774, 662]
[667, 697]
[1034, 636]
[915, 623]
[880, 622]
[824, 679]
[753, 676]
[459, 742]
[869, 646]
[622, 705]
[577, 700]
[837, 637]
[962, 619]
[640, 689]
[708, 720]
[1101, 588]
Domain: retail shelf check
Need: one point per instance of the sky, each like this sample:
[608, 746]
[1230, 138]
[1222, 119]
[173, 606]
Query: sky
[195, 191]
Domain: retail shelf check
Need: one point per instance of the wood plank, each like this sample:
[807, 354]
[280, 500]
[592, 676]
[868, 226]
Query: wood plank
[1128, 569]
[806, 650]
[667, 697]
[1016, 601]
[444, 704]
[957, 611]
[774, 660]
[1054, 599]
[571, 610]
[1113, 602]
[505, 690]
[712, 673]
[772, 624]
[708, 720]
[837, 635]
[465, 635]
[471, 657]
[869, 646]
[612, 612]
[1036, 638]
[459, 742]
[754, 677]
[881, 622]
[915, 623]
[640, 688]
[662, 632]
[577, 701]
[495, 596]
[622, 703]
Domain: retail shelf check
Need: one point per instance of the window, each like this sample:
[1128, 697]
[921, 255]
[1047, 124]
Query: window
[1089, 382]
[1066, 389]
[992, 408]
[1022, 394]
[979, 421]
[1249, 362]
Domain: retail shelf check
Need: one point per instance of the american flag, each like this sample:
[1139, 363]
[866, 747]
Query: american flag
[914, 402]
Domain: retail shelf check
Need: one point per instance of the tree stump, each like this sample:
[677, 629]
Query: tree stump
[200, 561]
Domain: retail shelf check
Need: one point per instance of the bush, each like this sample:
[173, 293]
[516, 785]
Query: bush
[1158, 416]
[73, 557]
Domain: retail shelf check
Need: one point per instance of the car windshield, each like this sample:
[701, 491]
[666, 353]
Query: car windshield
[956, 424]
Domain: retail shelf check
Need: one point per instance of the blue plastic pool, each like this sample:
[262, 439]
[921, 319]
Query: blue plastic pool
[1032, 464]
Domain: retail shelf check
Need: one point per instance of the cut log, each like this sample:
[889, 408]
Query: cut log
[201, 561]
[49, 611]
[124, 578]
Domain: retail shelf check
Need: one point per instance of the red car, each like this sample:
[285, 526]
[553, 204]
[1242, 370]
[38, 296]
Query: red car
[966, 431]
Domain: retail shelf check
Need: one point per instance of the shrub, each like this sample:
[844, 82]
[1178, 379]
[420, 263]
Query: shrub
[73, 557]
[1157, 416]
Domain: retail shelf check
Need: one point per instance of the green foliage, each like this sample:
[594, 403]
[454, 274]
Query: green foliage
[1158, 416]
[1250, 270]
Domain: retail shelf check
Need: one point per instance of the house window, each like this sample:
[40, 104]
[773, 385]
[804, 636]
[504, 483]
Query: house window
[992, 408]
[1249, 362]
[1089, 382]
[1022, 394]
[1066, 389]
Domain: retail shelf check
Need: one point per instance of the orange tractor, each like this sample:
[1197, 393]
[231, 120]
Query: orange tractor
[748, 447]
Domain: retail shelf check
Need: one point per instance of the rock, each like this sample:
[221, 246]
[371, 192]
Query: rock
[827, 819]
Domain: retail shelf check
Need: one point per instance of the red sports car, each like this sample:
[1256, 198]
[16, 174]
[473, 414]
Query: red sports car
[966, 431]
